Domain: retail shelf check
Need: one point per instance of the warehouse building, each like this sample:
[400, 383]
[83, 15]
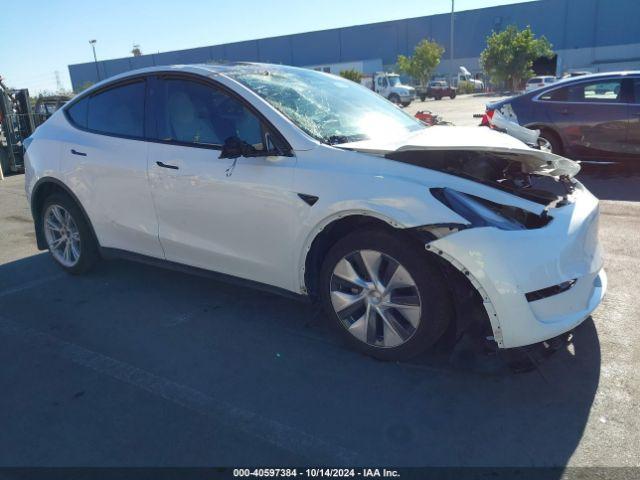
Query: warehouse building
[592, 35]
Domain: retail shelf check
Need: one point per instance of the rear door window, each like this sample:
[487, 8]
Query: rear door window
[118, 111]
[603, 91]
[636, 90]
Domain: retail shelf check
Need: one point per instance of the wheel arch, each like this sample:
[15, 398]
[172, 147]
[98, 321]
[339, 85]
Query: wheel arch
[547, 127]
[326, 234]
[473, 310]
[43, 188]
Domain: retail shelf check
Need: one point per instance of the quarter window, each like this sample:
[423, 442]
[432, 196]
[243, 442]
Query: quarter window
[557, 95]
[118, 111]
[78, 113]
[192, 112]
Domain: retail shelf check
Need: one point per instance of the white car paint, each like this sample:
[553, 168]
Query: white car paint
[243, 217]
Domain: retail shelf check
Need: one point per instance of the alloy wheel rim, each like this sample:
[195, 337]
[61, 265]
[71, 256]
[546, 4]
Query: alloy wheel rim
[375, 298]
[62, 235]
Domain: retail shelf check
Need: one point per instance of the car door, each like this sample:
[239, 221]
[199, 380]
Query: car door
[382, 86]
[230, 215]
[104, 161]
[591, 118]
[633, 135]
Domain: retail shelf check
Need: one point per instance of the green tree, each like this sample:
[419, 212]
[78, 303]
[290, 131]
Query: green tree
[426, 57]
[509, 55]
[351, 74]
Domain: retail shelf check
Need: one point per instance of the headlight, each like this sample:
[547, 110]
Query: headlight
[484, 213]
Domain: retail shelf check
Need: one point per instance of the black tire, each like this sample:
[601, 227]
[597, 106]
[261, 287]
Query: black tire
[438, 97]
[554, 140]
[452, 96]
[435, 298]
[406, 104]
[394, 98]
[89, 253]
[423, 98]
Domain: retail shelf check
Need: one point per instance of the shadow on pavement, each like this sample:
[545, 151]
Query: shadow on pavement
[612, 182]
[267, 355]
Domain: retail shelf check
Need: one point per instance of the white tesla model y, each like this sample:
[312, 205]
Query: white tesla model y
[313, 185]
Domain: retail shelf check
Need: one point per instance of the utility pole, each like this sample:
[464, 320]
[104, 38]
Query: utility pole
[452, 67]
[95, 59]
[58, 82]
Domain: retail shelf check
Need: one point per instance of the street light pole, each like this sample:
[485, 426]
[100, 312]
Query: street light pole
[452, 67]
[95, 59]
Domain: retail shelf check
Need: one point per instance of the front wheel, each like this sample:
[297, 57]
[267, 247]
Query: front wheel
[394, 98]
[68, 234]
[406, 104]
[383, 295]
[452, 96]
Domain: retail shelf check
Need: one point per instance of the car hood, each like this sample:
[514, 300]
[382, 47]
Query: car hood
[468, 139]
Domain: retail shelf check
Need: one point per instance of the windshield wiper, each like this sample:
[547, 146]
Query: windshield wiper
[338, 139]
[335, 139]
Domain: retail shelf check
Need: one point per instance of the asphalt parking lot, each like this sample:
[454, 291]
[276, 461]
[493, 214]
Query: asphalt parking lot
[460, 110]
[133, 365]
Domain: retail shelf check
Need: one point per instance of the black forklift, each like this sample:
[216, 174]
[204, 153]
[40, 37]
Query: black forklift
[17, 122]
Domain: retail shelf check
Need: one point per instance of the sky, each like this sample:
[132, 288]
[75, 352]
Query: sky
[49, 35]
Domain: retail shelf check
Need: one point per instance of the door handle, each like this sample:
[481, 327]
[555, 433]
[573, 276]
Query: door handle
[564, 111]
[75, 152]
[164, 165]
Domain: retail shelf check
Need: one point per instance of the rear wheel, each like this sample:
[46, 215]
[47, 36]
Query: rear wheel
[383, 296]
[453, 95]
[554, 141]
[68, 235]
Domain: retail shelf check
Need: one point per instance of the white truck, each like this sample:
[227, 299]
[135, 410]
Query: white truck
[465, 76]
[390, 87]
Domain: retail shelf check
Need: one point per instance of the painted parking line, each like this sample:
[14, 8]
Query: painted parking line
[250, 423]
[31, 284]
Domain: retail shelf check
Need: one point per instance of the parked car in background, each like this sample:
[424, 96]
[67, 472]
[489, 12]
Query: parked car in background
[437, 89]
[537, 82]
[310, 184]
[591, 117]
[390, 87]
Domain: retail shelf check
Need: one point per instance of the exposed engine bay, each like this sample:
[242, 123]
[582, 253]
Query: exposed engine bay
[503, 170]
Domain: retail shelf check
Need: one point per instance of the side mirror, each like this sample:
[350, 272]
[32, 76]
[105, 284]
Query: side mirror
[232, 148]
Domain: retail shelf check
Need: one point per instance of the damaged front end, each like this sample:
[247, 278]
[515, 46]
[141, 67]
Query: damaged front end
[522, 275]
[537, 176]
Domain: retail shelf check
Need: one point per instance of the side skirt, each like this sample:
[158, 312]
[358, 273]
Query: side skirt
[115, 253]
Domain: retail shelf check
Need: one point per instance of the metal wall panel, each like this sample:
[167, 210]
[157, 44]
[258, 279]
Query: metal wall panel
[114, 67]
[242, 51]
[316, 47]
[276, 50]
[370, 41]
[568, 24]
[142, 61]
